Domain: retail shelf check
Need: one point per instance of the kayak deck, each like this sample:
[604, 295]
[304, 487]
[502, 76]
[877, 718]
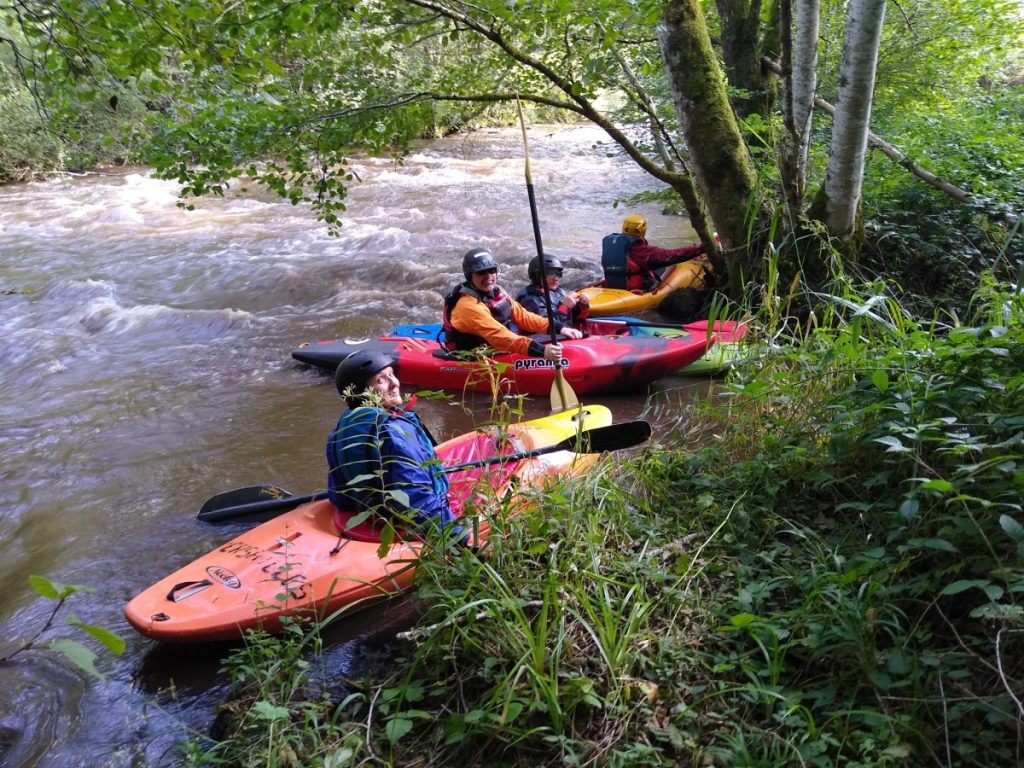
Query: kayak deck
[613, 301]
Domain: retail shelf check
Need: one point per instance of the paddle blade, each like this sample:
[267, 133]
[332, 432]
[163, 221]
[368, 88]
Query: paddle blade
[563, 398]
[248, 495]
[614, 437]
[256, 503]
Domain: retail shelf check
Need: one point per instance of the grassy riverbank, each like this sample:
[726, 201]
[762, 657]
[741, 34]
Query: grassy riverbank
[832, 580]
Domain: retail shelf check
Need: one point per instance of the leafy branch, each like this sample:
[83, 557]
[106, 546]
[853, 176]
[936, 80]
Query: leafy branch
[76, 653]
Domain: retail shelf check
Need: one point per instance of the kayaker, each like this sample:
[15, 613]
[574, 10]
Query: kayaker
[629, 261]
[479, 313]
[570, 307]
[380, 456]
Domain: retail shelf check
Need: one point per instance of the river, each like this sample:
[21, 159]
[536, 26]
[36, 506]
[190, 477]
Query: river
[144, 367]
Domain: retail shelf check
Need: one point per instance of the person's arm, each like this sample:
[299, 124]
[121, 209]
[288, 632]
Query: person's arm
[649, 256]
[472, 316]
[410, 468]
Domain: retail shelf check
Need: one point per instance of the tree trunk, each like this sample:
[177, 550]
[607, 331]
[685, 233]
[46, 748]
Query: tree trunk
[741, 52]
[721, 164]
[799, 84]
[845, 172]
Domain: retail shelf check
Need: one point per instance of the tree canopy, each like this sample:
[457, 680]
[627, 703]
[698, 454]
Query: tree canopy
[279, 92]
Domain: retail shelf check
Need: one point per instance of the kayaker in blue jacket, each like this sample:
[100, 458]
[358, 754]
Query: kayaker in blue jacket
[380, 457]
[570, 307]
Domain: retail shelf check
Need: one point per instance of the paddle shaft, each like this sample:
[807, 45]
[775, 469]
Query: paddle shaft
[560, 381]
[610, 438]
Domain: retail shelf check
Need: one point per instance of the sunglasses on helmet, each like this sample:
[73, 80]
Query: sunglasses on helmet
[489, 271]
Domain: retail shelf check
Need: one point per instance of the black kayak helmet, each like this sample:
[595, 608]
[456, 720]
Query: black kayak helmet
[477, 260]
[552, 267]
[356, 369]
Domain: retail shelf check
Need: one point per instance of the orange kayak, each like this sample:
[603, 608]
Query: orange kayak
[613, 301]
[303, 564]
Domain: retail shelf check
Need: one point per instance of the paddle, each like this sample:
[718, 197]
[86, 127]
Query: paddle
[562, 396]
[724, 332]
[269, 500]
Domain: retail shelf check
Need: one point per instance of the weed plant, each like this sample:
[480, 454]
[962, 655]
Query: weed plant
[833, 581]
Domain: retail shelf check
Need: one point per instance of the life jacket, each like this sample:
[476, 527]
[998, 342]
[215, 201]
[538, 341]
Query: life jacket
[532, 298]
[354, 452]
[615, 260]
[499, 305]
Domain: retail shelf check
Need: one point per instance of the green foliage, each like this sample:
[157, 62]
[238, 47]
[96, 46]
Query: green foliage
[75, 652]
[279, 712]
[26, 145]
[833, 579]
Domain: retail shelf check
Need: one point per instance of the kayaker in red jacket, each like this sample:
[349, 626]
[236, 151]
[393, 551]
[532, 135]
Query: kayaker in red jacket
[629, 260]
[479, 313]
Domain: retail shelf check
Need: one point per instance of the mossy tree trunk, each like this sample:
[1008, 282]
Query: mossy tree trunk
[741, 51]
[720, 161]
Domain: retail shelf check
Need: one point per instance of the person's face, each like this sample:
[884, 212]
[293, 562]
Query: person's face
[485, 281]
[386, 384]
[554, 275]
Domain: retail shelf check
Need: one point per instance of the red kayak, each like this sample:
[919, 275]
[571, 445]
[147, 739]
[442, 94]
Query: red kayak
[591, 364]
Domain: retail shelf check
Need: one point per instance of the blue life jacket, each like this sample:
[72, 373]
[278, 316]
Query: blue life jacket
[532, 298]
[615, 259]
[373, 450]
[499, 304]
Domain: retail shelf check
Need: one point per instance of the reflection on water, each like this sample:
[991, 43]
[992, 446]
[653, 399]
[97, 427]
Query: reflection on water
[144, 367]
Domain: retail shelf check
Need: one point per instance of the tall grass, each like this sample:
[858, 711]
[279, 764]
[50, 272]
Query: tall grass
[834, 579]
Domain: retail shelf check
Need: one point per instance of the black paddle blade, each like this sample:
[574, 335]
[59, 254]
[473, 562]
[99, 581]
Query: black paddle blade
[237, 497]
[614, 437]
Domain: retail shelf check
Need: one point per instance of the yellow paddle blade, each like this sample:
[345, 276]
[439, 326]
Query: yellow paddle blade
[562, 396]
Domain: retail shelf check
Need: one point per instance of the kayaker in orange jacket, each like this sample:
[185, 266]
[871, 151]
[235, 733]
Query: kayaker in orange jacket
[479, 312]
[629, 261]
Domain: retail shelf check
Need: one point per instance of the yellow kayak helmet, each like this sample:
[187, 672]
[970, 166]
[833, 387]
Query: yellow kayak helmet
[634, 224]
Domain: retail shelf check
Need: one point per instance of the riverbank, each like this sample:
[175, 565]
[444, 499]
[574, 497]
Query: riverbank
[832, 580]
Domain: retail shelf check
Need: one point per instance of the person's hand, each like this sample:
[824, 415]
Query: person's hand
[572, 333]
[553, 352]
[570, 301]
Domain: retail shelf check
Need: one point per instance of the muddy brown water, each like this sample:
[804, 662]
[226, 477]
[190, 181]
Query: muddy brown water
[144, 367]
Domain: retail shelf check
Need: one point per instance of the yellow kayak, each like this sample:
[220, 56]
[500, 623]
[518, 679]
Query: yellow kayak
[612, 301]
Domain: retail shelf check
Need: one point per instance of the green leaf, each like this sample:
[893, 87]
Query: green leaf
[894, 443]
[963, 585]
[78, 654]
[396, 728]
[909, 508]
[940, 544]
[1014, 529]
[54, 590]
[44, 587]
[264, 710]
[880, 379]
[113, 643]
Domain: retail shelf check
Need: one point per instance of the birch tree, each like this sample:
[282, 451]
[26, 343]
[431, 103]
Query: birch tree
[799, 43]
[845, 172]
